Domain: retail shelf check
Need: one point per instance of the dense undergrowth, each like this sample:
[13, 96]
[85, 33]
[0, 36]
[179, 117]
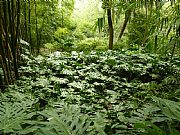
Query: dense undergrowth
[98, 93]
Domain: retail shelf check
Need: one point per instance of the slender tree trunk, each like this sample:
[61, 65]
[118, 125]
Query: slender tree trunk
[155, 43]
[173, 50]
[176, 43]
[111, 31]
[62, 15]
[37, 34]
[4, 46]
[4, 70]
[25, 21]
[29, 25]
[127, 17]
[1, 83]
[11, 40]
[5, 79]
[113, 16]
[1, 79]
[16, 44]
[145, 38]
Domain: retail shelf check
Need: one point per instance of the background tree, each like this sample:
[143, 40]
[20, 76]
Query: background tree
[107, 5]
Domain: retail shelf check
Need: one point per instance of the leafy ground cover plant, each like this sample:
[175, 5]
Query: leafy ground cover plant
[97, 93]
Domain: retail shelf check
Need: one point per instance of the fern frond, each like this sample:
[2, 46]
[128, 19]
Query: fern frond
[169, 108]
[12, 116]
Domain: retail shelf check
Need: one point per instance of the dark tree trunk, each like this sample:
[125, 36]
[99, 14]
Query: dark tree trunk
[4, 46]
[111, 31]
[10, 19]
[16, 44]
[127, 17]
[155, 43]
[37, 34]
[29, 25]
[25, 21]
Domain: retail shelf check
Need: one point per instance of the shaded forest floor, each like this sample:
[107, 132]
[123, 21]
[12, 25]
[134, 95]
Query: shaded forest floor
[97, 93]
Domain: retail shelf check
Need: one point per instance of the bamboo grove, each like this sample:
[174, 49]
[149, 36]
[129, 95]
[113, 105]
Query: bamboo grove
[15, 29]
[19, 27]
[10, 31]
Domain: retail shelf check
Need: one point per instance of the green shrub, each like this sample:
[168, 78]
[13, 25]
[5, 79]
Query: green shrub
[79, 35]
[51, 46]
[89, 44]
[61, 33]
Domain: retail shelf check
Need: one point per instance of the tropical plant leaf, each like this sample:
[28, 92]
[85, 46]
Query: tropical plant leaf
[169, 108]
[12, 115]
[69, 122]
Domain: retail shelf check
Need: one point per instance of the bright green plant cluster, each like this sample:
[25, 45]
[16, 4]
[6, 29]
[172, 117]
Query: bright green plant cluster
[97, 93]
[81, 38]
[92, 44]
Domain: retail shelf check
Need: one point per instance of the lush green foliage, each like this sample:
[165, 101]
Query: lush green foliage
[88, 92]
[98, 93]
[151, 25]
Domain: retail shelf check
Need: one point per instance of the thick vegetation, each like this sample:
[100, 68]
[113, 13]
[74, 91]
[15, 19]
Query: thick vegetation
[98, 93]
[57, 76]
[49, 25]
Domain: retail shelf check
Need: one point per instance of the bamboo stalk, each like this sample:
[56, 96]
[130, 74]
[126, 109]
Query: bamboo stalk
[5, 45]
[4, 71]
[37, 34]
